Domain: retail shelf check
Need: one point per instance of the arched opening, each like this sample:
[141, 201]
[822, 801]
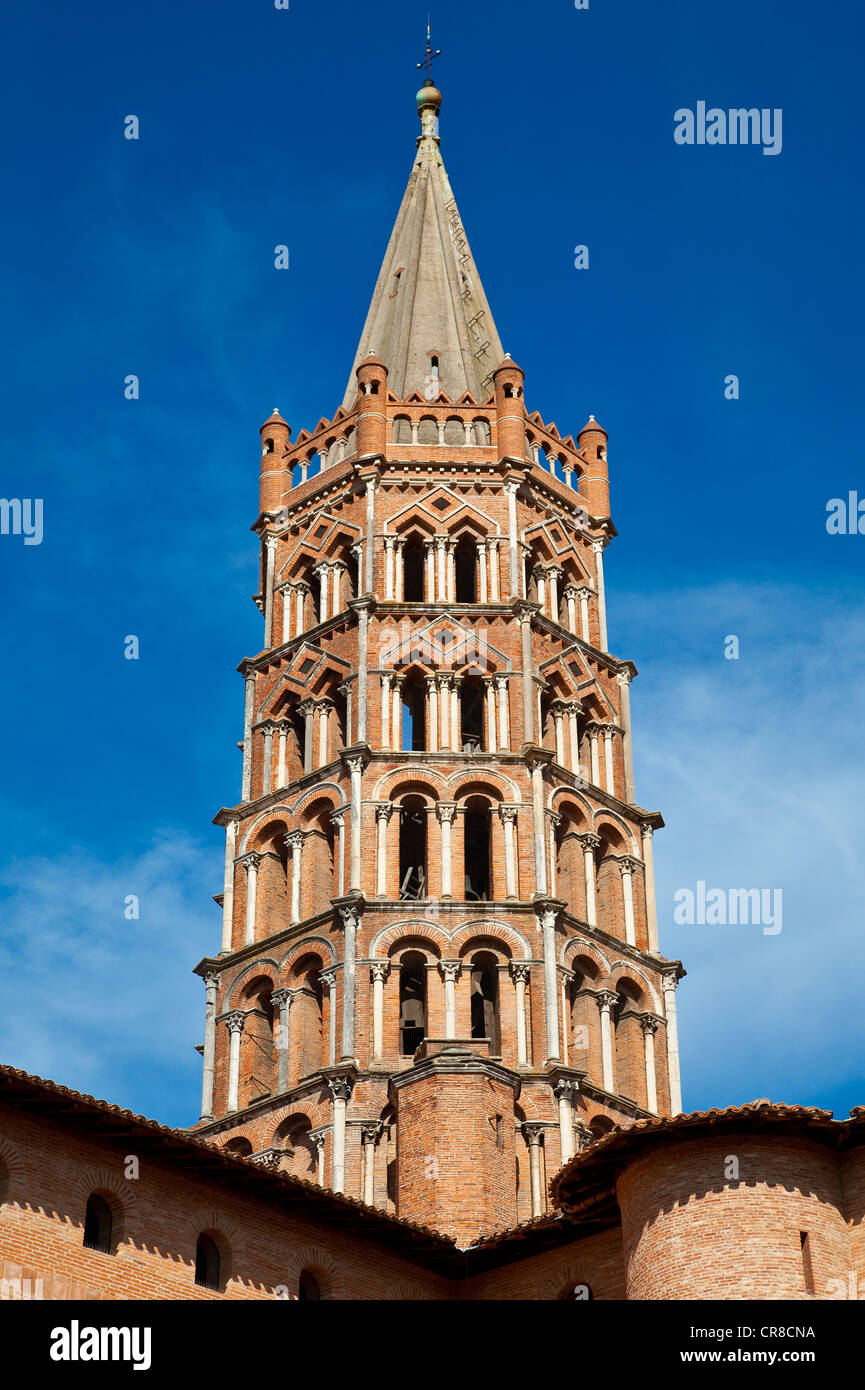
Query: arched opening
[98, 1224]
[305, 1019]
[412, 1002]
[239, 1146]
[576, 1293]
[300, 1156]
[258, 1032]
[412, 561]
[207, 1263]
[314, 580]
[477, 830]
[472, 715]
[414, 716]
[485, 999]
[353, 567]
[307, 1287]
[465, 566]
[413, 848]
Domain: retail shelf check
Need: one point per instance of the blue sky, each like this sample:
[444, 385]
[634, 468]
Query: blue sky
[155, 257]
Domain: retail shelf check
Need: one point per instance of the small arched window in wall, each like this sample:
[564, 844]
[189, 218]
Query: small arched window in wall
[412, 1002]
[98, 1224]
[207, 1263]
[485, 999]
[307, 1287]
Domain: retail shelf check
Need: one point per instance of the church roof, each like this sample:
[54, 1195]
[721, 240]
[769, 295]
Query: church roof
[428, 299]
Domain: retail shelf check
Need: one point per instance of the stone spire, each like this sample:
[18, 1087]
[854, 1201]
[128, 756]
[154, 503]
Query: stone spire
[429, 302]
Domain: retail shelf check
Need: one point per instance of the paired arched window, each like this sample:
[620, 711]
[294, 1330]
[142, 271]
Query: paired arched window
[98, 1224]
[207, 1263]
[412, 1002]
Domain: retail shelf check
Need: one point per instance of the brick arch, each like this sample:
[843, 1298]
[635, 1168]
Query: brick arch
[201, 1220]
[406, 1292]
[578, 947]
[412, 773]
[109, 1183]
[622, 969]
[321, 1265]
[261, 966]
[303, 948]
[461, 781]
[303, 1108]
[325, 803]
[271, 829]
[389, 936]
[560, 797]
[620, 826]
[273, 813]
[241, 1133]
[327, 791]
[516, 943]
[414, 941]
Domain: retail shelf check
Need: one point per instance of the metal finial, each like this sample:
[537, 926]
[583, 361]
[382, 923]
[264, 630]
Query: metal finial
[430, 56]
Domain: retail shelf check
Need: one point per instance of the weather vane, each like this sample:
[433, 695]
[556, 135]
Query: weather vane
[428, 60]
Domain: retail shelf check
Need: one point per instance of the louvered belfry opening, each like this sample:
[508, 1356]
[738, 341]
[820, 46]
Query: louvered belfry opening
[413, 848]
[477, 823]
[412, 1002]
[485, 999]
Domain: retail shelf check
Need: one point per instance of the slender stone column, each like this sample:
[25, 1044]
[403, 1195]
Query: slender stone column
[281, 766]
[536, 767]
[495, 582]
[626, 867]
[444, 681]
[574, 737]
[590, 843]
[432, 714]
[362, 608]
[337, 820]
[649, 874]
[322, 572]
[336, 573]
[211, 985]
[508, 815]
[566, 1093]
[452, 571]
[301, 590]
[592, 731]
[504, 718]
[371, 486]
[281, 999]
[355, 767]
[396, 713]
[415, 429]
[399, 570]
[650, 1026]
[609, 779]
[287, 591]
[584, 594]
[319, 1141]
[228, 885]
[566, 977]
[385, 709]
[670, 985]
[388, 568]
[340, 1090]
[598, 548]
[547, 917]
[350, 920]
[346, 691]
[606, 1002]
[525, 619]
[520, 976]
[445, 811]
[270, 555]
[378, 973]
[251, 864]
[513, 540]
[558, 712]
[490, 709]
[234, 1022]
[571, 601]
[554, 575]
[568, 474]
[553, 823]
[307, 709]
[450, 972]
[267, 760]
[441, 568]
[539, 575]
[323, 708]
[383, 813]
[482, 570]
[328, 980]
[294, 842]
[624, 682]
[456, 717]
[370, 1135]
[534, 1134]
[248, 715]
[430, 570]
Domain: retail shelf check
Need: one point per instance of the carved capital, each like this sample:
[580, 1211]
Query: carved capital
[235, 1021]
[251, 861]
[590, 841]
[508, 813]
[450, 970]
[379, 970]
[649, 1023]
[627, 864]
[520, 972]
[670, 981]
[340, 1087]
[566, 1089]
[328, 977]
[294, 841]
[281, 998]
[445, 811]
[384, 810]
[607, 999]
[533, 1133]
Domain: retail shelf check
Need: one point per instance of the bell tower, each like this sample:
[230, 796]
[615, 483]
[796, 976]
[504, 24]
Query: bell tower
[440, 972]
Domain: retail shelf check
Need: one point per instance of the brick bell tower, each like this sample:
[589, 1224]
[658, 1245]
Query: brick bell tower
[440, 971]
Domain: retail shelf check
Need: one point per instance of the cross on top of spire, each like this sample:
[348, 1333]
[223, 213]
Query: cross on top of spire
[430, 56]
